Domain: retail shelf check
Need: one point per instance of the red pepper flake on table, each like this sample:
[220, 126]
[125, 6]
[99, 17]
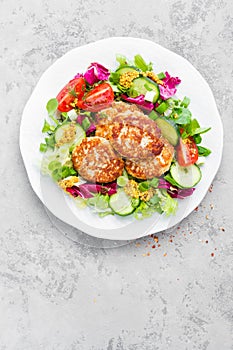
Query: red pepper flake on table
[211, 188]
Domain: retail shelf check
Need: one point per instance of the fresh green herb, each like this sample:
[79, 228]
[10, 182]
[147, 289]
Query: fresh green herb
[199, 131]
[68, 171]
[132, 92]
[161, 75]
[185, 102]
[86, 123]
[43, 147]
[73, 93]
[141, 64]
[203, 152]
[162, 107]
[47, 127]
[60, 171]
[114, 87]
[168, 204]
[122, 88]
[114, 77]
[197, 139]
[181, 115]
[154, 182]
[52, 106]
[170, 179]
[50, 141]
[154, 200]
[121, 59]
[144, 186]
[193, 129]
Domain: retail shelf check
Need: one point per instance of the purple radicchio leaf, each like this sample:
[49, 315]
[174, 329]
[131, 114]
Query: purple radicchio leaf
[169, 88]
[140, 101]
[95, 73]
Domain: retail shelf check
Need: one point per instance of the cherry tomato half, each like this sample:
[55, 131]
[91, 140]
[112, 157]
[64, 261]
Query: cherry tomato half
[101, 96]
[74, 90]
[187, 152]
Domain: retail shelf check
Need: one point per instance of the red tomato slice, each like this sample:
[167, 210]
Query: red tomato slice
[187, 152]
[70, 93]
[101, 96]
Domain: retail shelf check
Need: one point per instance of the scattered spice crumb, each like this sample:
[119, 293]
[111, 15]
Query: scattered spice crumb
[159, 245]
[207, 217]
[147, 254]
[222, 229]
[207, 241]
[170, 240]
[190, 232]
[215, 248]
[212, 254]
[138, 244]
[211, 188]
[211, 206]
[196, 209]
[156, 239]
[153, 246]
[165, 254]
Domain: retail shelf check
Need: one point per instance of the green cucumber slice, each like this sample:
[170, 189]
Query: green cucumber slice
[122, 204]
[169, 130]
[186, 177]
[59, 133]
[142, 85]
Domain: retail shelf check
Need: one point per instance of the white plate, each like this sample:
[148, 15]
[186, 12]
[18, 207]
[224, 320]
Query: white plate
[104, 51]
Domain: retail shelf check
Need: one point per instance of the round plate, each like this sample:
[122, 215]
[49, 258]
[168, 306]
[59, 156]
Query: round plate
[202, 106]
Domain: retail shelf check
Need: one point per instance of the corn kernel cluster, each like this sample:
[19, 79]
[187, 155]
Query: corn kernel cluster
[127, 78]
[68, 136]
[132, 190]
[154, 77]
[71, 181]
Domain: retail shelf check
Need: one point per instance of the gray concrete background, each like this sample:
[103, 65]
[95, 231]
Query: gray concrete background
[55, 294]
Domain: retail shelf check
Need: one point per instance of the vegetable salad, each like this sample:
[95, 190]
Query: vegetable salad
[72, 117]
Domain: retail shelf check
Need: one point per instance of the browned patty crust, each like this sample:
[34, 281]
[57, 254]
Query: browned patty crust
[130, 131]
[96, 161]
[153, 166]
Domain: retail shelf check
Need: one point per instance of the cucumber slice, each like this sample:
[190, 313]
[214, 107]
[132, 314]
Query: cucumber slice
[169, 130]
[186, 177]
[142, 85]
[60, 133]
[125, 69]
[122, 204]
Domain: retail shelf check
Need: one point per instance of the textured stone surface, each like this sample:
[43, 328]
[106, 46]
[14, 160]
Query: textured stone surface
[55, 294]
